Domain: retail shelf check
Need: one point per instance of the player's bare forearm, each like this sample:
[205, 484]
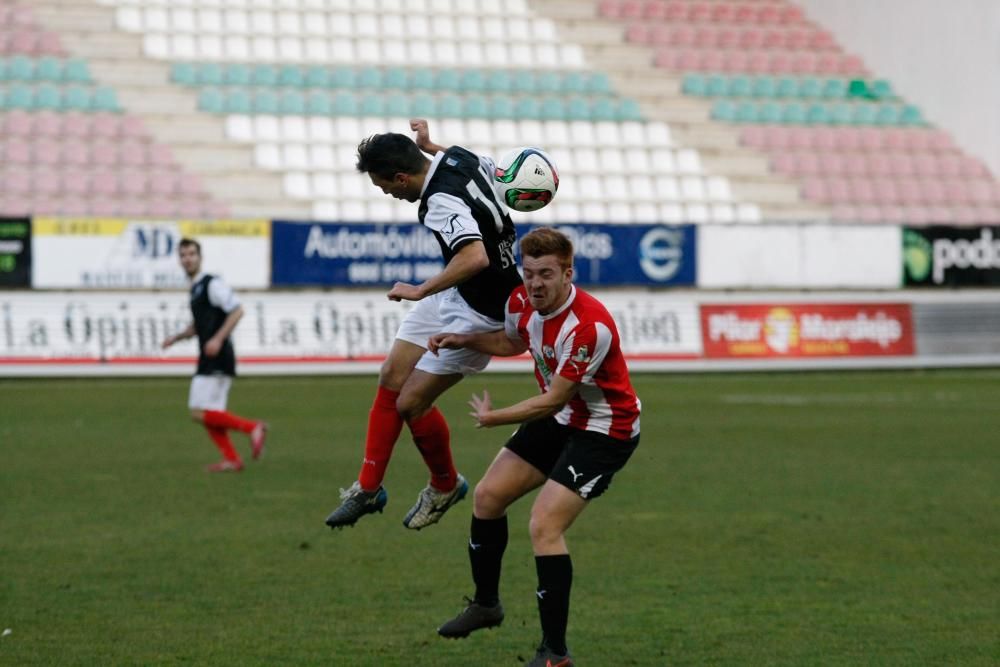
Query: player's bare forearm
[537, 407]
[467, 262]
[184, 334]
[232, 319]
[423, 138]
[494, 343]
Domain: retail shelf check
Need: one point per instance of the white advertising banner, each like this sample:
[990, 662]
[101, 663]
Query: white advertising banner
[111, 253]
[799, 256]
[109, 333]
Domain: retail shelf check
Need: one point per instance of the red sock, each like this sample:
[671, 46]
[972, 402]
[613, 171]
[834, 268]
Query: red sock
[223, 419]
[384, 425]
[433, 439]
[222, 441]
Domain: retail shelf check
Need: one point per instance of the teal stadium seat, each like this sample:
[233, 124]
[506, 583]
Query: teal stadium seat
[210, 74]
[599, 84]
[396, 78]
[887, 114]
[739, 86]
[20, 96]
[450, 106]
[211, 100]
[693, 84]
[265, 76]
[78, 98]
[105, 99]
[318, 103]
[422, 79]
[397, 105]
[238, 74]
[835, 89]
[76, 71]
[524, 83]
[793, 114]
[344, 78]
[603, 108]
[369, 78]
[49, 98]
[810, 88]
[185, 74]
[550, 83]
[716, 86]
[473, 81]
[239, 101]
[502, 107]
[475, 106]
[448, 80]
[345, 103]
[910, 115]
[49, 69]
[863, 114]
[424, 106]
[292, 103]
[20, 68]
[372, 104]
[628, 109]
[724, 110]
[291, 76]
[882, 90]
[499, 81]
[527, 107]
[316, 76]
[817, 114]
[769, 112]
[577, 108]
[787, 87]
[765, 87]
[840, 114]
[746, 112]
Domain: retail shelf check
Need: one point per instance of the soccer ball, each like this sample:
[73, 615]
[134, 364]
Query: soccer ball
[526, 179]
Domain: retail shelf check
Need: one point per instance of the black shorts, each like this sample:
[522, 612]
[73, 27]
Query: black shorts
[582, 461]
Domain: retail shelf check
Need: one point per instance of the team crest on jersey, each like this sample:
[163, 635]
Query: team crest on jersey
[451, 162]
[582, 355]
[548, 352]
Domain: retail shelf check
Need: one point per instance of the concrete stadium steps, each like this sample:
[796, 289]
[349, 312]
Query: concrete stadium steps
[198, 140]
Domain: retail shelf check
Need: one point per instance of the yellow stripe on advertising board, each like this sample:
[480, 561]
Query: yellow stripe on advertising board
[198, 228]
[78, 226]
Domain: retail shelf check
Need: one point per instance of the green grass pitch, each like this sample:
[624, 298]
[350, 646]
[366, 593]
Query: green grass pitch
[767, 519]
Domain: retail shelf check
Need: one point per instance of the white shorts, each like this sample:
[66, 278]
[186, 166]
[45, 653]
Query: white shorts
[446, 312]
[209, 392]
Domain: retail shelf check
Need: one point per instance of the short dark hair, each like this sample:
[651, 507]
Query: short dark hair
[547, 241]
[386, 155]
[188, 243]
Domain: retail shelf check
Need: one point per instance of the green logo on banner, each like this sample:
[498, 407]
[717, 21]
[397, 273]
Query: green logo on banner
[917, 255]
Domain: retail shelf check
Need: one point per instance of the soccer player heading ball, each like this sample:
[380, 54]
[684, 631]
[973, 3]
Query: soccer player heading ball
[458, 204]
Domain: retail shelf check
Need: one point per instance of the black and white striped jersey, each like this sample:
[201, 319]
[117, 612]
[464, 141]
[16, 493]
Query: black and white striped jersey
[459, 205]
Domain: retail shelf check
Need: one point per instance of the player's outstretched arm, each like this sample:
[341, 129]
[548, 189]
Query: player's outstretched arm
[537, 407]
[467, 262]
[423, 138]
[214, 344]
[495, 343]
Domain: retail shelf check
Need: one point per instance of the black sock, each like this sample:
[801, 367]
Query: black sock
[555, 578]
[487, 542]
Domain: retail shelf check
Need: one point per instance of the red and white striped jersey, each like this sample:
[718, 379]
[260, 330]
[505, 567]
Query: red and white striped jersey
[580, 342]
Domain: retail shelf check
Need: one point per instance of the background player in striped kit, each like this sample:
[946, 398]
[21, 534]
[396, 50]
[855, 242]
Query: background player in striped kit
[216, 311]
[573, 437]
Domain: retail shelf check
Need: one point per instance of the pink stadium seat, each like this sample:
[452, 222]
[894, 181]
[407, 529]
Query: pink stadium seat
[886, 192]
[161, 156]
[46, 181]
[871, 214]
[821, 40]
[902, 164]
[832, 164]
[824, 139]
[783, 163]
[163, 183]
[106, 125]
[862, 191]
[609, 9]
[855, 164]
[777, 62]
[132, 127]
[48, 124]
[712, 61]
[681, 36]
[164, 208]
[933, 192]
[851, 66]
[939, 140]
[917, 215]
[19, 123]
[49, 44]
[778, 137]
[815, 189]
[773, 39]
[17, 151]
[804, 62]
[47, 151]
[753, 136]
[956, 192]
[767, 14]
[964, 215]
[982, 193]
[76, 182]
[190, 208]
[795, 40]
[948, 166]
[916, 139]
[104, 183]
[132, 153]
[737, 61]
[133, 208]
[76, 124]
[894, 139]
[132, 183]
[880, 165]
[16, 181]
[722, 12]
[655, 10]
[757, 62]
[669, 60]
[104, 207]
[870, 139]
[750, 37]
[104, 154]
[630, 9]
[24, 42]
[807, 164]
[75, 152]
[790, 14]
[190, 185]
[925, 164]
[848, 139]
[970, 167]
[800, 138]
[744, 13]
[845, 213]
[839, 190]
[675, 11]
[699, 12]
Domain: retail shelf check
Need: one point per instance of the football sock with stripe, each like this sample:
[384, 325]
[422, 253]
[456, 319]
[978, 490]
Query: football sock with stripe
[555, 578]
[384, 426]
[433, 439]
[487, 542]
